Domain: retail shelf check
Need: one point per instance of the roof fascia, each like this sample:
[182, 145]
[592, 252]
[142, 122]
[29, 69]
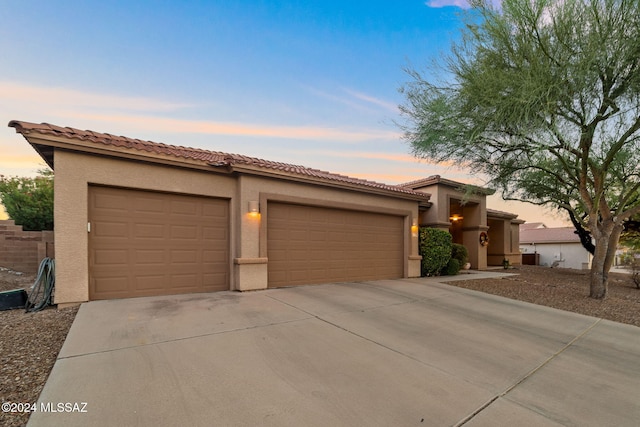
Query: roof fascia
[305, 179]
[38, 141]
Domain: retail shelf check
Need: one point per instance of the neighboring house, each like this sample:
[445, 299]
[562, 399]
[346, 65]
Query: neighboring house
[138, 218]
[555, 246]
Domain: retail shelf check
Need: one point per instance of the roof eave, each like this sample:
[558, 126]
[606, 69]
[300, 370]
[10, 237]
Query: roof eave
[45, 146]
[273, 173]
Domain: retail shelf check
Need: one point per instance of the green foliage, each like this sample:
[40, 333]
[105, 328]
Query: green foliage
[542, 97]
[452, 268]
[29, 201]
[460, 253]
[435, 248]
[630, 237]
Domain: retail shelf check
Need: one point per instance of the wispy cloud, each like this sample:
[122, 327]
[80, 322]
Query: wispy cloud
[392, 157]
[373, 100]
[17, 92]
[464, 4]
[354, 99]
[163, 124]
[82, 109]
[443, 3]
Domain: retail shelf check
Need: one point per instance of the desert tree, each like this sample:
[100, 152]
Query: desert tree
[542, 98]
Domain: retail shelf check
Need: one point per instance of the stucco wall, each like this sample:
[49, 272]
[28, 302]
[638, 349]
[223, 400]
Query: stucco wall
[76, 172]
[252, 238]
[474, 221]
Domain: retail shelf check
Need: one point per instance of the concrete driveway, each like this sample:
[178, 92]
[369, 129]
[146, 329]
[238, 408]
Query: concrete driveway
[384, 353]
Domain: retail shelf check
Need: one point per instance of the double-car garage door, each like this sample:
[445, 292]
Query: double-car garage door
[311, 244]
[144, 243]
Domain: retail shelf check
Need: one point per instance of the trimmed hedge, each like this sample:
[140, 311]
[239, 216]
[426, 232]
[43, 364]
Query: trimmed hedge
[460, 253]
[435, 248]
[452, 268]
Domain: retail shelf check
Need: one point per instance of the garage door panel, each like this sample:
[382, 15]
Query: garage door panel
[156, 243]
[149, 256]
[214, 233]
[112, 284]
[214, 257]
[149, 206]
[111, 203]
[309, 244]
[111, 257]
[115, 229]
[149, 283]
[185, 208]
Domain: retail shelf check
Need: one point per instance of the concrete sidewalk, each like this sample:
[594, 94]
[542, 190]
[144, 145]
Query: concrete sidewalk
[383, 353]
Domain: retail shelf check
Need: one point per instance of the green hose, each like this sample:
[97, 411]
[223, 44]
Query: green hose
[42, 289]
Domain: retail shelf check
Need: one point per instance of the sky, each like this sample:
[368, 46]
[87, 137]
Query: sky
[308, 82]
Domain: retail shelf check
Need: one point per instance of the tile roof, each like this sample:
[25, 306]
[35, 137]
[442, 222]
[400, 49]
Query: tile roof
[501, 214]
[437, 179]
[206, 157]
[549, 235]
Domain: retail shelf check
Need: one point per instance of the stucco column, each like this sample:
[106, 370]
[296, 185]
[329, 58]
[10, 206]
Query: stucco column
[414, 261]
[477, 252]
[250, 268]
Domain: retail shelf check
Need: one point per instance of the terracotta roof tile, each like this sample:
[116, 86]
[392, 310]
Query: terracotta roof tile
[212, 158]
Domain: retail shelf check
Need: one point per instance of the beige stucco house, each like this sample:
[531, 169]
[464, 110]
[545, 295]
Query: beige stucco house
[138, 218]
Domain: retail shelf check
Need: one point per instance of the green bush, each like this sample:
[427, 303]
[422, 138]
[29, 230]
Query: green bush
[29, 201]
[452, 268]
[460, 253]
[435, 248]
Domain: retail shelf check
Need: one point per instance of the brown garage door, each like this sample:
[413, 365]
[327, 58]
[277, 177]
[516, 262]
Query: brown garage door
[308, 244]
[145, 243]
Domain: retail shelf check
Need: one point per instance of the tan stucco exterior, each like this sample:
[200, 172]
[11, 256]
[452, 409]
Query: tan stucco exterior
[75, 172]
[82, 159]
[446, 195]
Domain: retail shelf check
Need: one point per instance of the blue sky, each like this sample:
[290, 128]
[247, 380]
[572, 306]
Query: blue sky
[311, 82]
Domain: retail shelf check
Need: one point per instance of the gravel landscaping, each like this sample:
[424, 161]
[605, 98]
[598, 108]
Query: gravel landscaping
[30, 342]
[565, 289]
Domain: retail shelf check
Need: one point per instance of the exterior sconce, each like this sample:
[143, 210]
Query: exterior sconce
[254, 209]
[455, 218]
[414, 228]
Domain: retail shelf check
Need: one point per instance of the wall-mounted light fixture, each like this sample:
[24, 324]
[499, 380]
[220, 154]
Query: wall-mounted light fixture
[414, 228]
[254, 208]
[455, 218]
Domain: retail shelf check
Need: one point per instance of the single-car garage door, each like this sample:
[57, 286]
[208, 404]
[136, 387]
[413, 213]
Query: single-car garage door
[144, 243]
[310, 244]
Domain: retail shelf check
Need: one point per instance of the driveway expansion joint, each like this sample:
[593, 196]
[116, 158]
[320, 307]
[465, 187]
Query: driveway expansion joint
[527, 375]
[247, 328]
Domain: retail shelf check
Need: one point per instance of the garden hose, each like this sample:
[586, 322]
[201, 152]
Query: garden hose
[42, 289]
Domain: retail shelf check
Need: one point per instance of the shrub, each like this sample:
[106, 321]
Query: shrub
[435, 248]
[452, 268]
[460, 253]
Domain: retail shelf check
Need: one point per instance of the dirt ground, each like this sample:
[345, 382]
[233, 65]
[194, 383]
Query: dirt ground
[30, 342]
[565, 289]
[29, 346]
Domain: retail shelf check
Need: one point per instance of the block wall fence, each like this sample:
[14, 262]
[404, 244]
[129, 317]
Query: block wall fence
[23, 250]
